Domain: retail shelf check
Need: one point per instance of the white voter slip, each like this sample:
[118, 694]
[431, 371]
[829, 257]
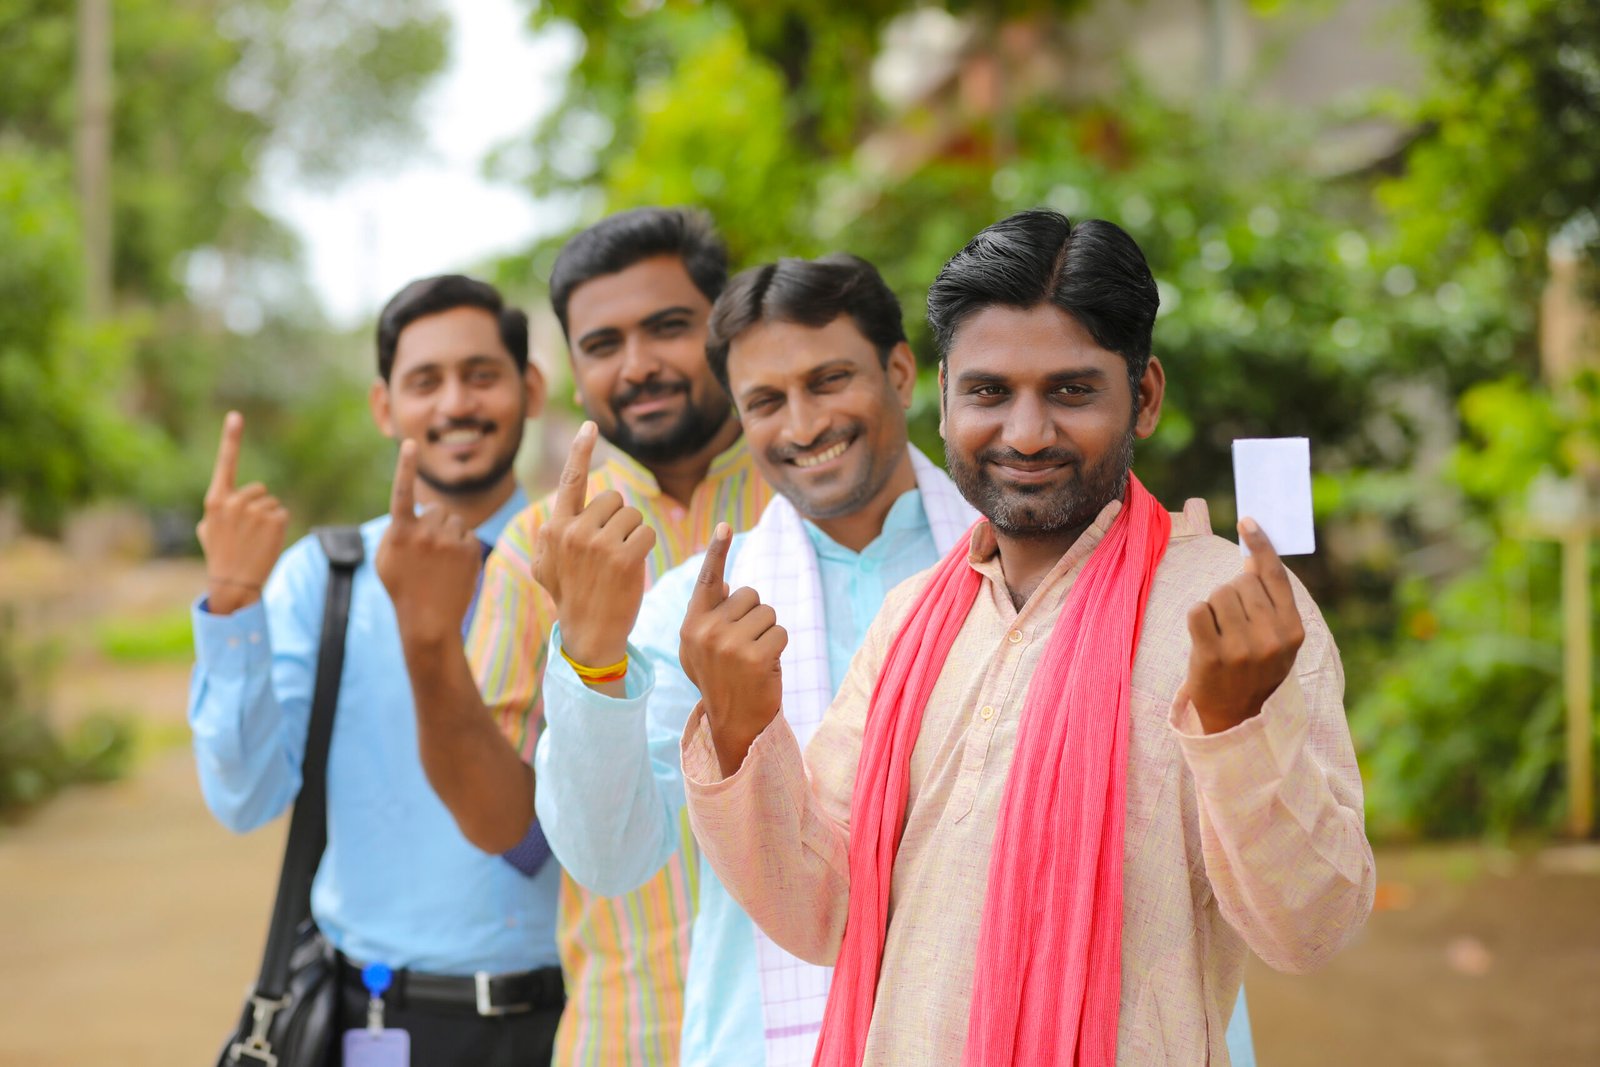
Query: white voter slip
[1272, 485]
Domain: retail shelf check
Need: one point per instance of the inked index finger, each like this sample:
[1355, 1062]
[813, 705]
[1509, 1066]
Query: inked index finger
[709, 588]
[1265, 563]
[574, 484]
[226, 471]
[403, 497]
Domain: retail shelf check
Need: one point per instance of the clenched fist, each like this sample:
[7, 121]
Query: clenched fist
[429, 563]
[730, 649]
[242, 531]
[1246, 635]
[591, 559]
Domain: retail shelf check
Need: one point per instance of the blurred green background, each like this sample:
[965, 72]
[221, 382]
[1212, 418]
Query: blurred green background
[1354, 210]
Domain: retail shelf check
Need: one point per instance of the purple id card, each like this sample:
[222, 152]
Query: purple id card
[377, 1048]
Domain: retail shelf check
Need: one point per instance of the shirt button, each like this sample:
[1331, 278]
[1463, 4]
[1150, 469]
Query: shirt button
[255, 639]
[233, 642]
[1016, 637]
[986, 713]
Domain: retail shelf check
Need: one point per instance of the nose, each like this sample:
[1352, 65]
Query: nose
[457, 401]
[639, 362]
[807, 419]
[1028, 426]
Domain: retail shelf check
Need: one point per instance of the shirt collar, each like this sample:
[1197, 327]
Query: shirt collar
[489, 529]
[984, 552]
[729, 461]
[906, 518]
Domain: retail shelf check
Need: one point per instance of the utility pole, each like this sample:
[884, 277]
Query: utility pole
[93, 152]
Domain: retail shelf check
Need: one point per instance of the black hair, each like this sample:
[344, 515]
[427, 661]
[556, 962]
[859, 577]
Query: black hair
[807, 292]
[1092, 270]
[619, 241]
[430, 296]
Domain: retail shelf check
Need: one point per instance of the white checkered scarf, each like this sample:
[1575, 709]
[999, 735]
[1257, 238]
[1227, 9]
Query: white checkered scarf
[778, 562]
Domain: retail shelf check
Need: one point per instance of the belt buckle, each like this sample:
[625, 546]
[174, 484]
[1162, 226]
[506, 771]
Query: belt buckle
[486, 1005]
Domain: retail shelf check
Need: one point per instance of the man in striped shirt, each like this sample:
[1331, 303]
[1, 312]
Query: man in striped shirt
[633, 294]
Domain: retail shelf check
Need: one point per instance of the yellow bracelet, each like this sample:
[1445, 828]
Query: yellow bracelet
[614, 673]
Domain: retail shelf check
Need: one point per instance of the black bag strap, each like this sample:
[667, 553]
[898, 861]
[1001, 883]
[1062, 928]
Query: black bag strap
[308, 826]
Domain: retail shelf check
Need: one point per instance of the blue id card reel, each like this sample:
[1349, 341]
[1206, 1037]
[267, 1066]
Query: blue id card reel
[376, 1046]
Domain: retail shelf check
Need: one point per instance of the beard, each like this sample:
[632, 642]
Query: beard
[1044, 510]
[816, 504]
[684, 436]
[472, 485]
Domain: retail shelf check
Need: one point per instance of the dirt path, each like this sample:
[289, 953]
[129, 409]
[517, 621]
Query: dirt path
[130, 922]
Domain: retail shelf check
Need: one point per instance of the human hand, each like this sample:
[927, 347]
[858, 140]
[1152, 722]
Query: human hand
[242, 531]
[730, 647]
[591, 559]
[1246, 635]
[429, 562]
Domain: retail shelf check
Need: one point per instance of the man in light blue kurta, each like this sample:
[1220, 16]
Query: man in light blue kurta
[610, 787]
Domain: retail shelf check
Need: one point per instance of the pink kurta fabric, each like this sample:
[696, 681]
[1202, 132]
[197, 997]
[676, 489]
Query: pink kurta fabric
[1249, 839]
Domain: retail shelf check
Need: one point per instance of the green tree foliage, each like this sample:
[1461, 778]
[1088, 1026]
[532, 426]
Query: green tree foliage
[205, 94]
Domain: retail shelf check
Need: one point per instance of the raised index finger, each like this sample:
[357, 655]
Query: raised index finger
[403, 497]
[574, 484]
[1264, 562]
[709, 587]
[226, 470]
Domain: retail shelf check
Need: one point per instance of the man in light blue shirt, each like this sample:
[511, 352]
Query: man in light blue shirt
[398, 884]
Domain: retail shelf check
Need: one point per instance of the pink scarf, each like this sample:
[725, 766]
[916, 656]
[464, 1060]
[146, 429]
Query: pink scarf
[1049, 965]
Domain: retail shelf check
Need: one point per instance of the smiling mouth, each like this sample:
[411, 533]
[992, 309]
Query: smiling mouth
[463, 436]
[827, 455]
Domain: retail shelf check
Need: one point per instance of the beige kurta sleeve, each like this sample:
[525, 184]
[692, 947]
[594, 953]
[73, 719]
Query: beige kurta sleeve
[777, 831]
[1280, 807]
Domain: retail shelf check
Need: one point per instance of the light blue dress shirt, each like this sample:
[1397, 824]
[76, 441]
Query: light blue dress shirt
[398, 883]
[611, 781]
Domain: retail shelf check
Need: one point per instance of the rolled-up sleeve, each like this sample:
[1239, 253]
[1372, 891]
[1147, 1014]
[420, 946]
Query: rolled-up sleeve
[1280, 806]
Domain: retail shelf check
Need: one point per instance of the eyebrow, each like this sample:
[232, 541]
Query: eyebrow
[1074, 374]
[655, 318]
[433, 366]
[841, 363]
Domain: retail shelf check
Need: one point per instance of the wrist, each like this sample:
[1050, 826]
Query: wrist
[225, 597]
[592, 653]
[1216, 721]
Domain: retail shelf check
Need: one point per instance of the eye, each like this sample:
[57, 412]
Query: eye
[422, 383]
[484, 376]
[762, 405]
[599, 349]
[835, 380]
[1074, 391]
[987, 391]
[671, 327]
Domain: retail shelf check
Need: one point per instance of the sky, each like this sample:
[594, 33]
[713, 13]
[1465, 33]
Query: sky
[435, 212]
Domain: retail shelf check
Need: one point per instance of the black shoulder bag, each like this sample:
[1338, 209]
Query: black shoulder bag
[292, 1015]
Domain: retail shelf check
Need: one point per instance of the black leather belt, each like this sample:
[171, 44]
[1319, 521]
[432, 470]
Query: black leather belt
[482, 993]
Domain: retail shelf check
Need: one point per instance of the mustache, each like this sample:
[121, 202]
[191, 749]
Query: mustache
[786, 453]
[1011, 455]
[650, 390]
[482, 425]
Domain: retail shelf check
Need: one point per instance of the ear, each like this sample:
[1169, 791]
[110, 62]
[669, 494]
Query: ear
[537, 390]
[942, 404]
[378, 403]
[901, 370]
[1152, 389]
